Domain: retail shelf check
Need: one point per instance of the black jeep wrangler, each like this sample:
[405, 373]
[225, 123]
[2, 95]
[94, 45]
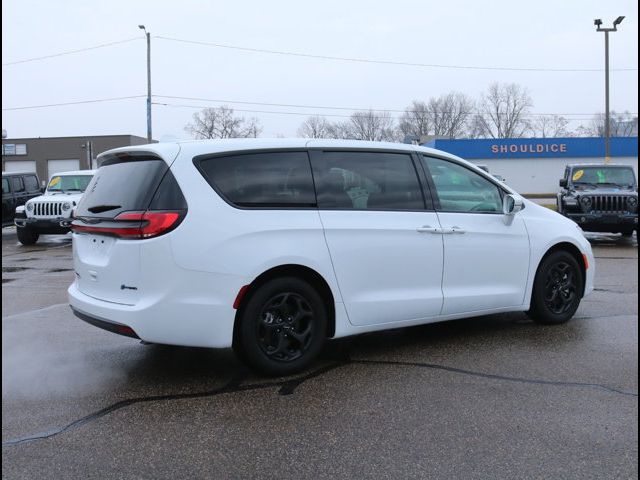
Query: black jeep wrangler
[600, 198]
[17, 189]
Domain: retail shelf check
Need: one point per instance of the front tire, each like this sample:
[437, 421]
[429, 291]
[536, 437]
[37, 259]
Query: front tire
[282, 327]
[557, 289]
[27, 236]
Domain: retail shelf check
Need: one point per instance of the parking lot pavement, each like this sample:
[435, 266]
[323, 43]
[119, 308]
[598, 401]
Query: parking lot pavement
[489, 397]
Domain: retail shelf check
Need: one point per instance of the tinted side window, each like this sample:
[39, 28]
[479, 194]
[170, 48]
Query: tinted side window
[367, 181]
[168, 196]
[270, 179]
[5, 185]
[462, 190]
[31, 183]
[16, 184]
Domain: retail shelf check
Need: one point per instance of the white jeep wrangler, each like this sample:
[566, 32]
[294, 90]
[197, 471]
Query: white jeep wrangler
[50, 213]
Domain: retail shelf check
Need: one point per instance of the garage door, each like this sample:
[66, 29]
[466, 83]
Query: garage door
[20, 166]
[58, 166]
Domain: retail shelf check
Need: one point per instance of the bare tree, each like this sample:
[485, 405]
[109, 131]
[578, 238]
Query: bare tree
[251, 128]
[550, 126]
[449, 114]
[221, 122]
[370, 125]
[503, 111]
[339, 130]
[415, 121]
[315, 127]
[620, 125]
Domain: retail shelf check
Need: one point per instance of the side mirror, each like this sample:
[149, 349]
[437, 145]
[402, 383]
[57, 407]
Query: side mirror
[511, 204]
[563, 183]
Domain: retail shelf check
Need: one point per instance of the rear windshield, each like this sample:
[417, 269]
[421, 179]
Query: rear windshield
[122, 186]
[68, 183]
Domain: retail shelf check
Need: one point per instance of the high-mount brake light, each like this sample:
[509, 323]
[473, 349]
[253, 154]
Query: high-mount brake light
[133, 225]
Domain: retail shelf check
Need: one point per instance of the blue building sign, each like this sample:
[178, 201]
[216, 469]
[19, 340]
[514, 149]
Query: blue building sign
[489, 148]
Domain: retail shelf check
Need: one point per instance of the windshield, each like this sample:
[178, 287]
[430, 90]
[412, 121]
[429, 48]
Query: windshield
[604, 176]
[67, 183]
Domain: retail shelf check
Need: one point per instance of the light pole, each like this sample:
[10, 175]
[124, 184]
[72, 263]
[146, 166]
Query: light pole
[148, 35]
[607, 132]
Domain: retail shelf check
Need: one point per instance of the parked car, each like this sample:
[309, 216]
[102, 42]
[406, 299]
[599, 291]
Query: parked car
[50, 213]
[17, 189]
[600, 198]
[273, 246]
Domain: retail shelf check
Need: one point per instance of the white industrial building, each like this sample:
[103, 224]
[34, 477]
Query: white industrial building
[533, 166]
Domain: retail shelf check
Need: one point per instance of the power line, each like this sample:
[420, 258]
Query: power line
[309, 114]
[327, 107]
[79, 102]
[385, 62]
[352, 109]
[70, 52]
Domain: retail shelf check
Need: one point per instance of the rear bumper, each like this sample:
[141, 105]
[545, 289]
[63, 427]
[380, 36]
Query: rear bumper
[604, 222]
[192, 322]
[105, 324]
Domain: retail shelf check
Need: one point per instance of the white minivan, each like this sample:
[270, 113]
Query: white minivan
[273, 246]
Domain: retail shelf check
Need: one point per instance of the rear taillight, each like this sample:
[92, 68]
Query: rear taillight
[133, 225]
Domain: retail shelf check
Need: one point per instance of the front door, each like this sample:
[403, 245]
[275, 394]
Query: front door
[486, 261]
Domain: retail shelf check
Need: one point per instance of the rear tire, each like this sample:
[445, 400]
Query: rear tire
[27, 236]
[282, 327]
[557, 289]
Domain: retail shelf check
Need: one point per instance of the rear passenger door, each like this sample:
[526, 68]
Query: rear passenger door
[32, 187]
[383, 236]
[19, 191]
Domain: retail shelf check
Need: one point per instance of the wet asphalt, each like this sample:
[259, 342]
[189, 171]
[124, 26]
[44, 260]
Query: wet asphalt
[488, 397]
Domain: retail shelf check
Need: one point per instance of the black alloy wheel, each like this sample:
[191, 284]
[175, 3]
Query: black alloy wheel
[285, 329]
[557, 289]
[560, 288]
[282, 327]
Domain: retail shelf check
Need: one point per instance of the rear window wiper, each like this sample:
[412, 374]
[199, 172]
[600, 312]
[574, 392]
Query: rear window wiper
[103, 208]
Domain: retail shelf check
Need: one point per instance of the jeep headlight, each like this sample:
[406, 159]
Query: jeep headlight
[632, 202]
[66, 206]
[571, 201]
[586, 202]
[30, 207]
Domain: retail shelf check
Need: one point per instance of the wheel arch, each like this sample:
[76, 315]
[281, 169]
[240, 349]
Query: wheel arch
[302, 272]
[575, 252]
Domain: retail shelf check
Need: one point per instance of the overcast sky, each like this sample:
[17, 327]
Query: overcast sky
[506, 33]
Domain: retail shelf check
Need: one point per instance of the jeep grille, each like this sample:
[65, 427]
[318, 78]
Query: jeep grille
[609, 203]
[47, 209]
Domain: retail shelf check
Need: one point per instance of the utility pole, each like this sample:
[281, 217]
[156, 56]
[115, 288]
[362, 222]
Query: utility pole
[607, 129]
[148, 35]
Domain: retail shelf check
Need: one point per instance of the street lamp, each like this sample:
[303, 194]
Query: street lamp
[148, 35]
[607, 132]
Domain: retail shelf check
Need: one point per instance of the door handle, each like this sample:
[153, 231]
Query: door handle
[428, 229]
[457, 230]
